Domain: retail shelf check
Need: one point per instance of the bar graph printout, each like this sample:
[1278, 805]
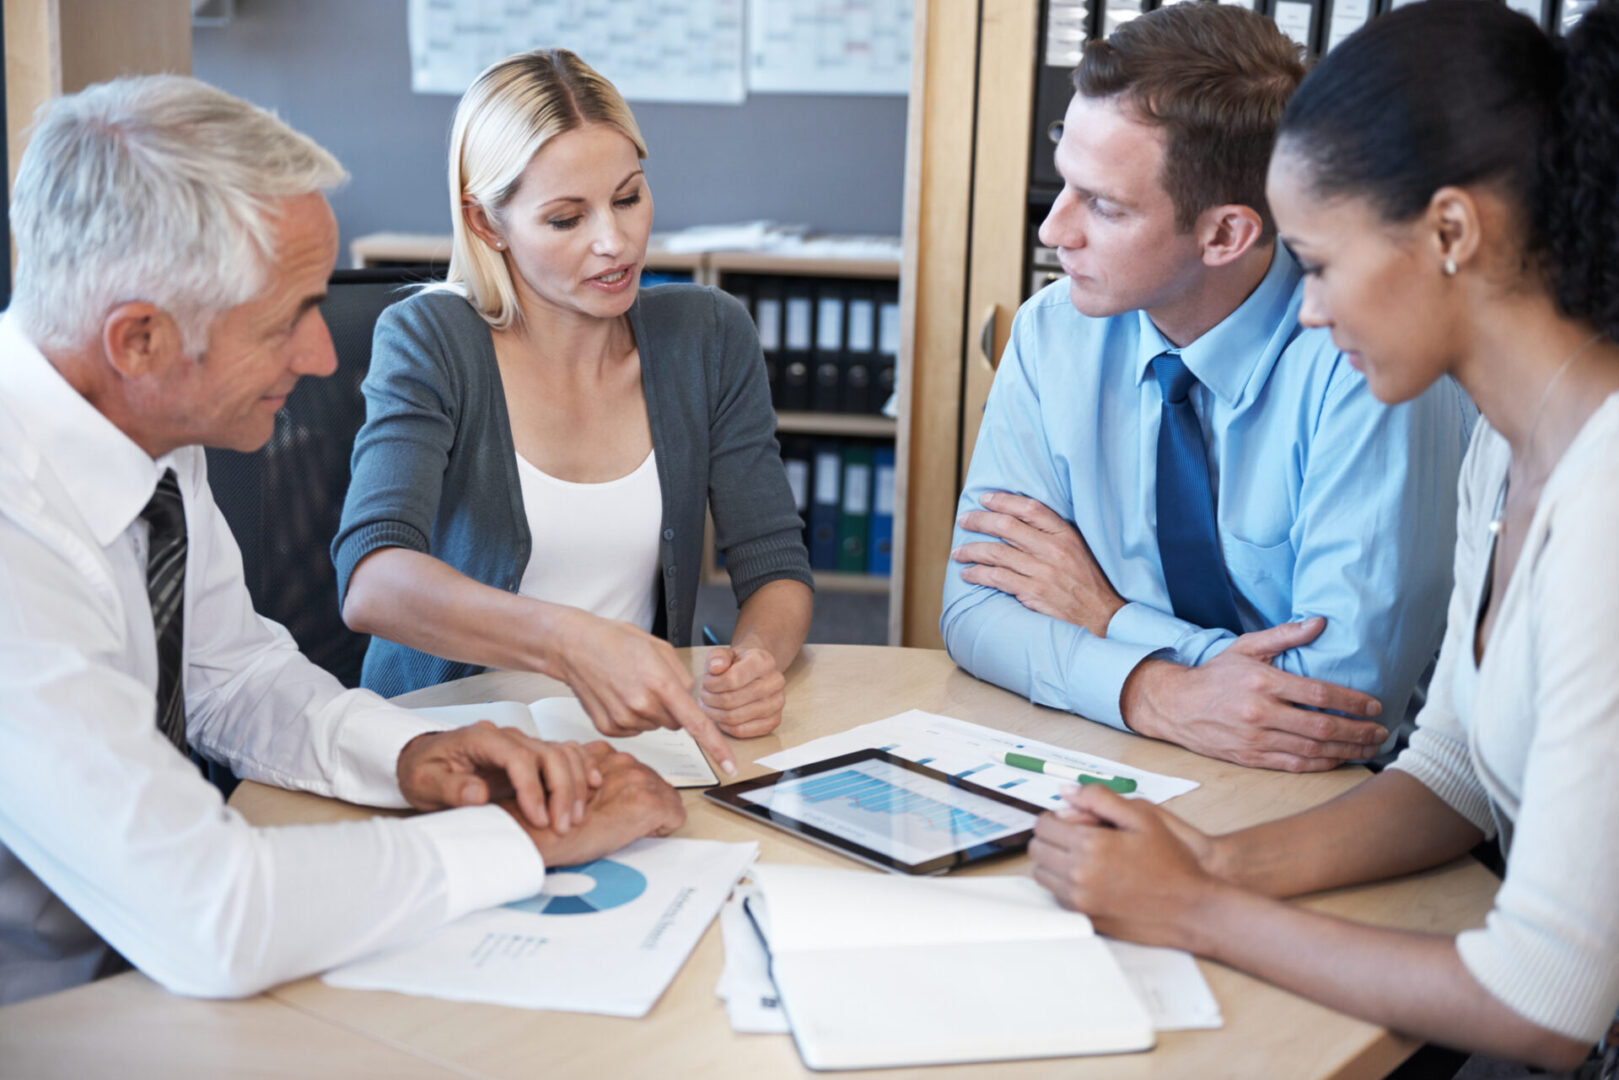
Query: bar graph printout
[905, 815]
[972, 752]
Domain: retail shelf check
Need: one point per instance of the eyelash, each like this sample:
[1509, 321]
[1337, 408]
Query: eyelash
[1096, 207]
[563, 224]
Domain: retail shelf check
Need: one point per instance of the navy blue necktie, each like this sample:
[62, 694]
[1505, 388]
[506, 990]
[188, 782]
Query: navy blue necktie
[1188, 541]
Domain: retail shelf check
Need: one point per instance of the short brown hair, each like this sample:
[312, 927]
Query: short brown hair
[1216, 78]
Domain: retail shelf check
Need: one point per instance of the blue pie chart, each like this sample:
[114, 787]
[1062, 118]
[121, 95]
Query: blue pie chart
[615, 884]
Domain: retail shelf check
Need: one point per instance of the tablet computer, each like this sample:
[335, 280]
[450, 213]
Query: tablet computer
[885, 811]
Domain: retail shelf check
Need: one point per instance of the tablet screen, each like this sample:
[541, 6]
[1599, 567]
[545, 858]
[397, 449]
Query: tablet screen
[908, 816]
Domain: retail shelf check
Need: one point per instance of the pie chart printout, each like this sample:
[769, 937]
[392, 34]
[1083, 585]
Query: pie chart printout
[585, 890]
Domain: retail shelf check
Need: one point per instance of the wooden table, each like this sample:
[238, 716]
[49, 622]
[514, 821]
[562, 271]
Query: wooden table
[307, 1028]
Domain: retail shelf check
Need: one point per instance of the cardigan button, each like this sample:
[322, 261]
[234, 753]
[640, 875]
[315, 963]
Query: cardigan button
[668, 534]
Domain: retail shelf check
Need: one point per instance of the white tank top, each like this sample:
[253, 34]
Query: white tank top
[595, 545]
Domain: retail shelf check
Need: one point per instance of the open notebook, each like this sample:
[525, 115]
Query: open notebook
[673, 755]
[875, 970]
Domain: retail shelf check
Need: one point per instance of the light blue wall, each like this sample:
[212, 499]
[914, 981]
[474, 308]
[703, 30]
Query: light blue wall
[339, 70]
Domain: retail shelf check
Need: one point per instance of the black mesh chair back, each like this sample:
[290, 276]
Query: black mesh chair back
[283, 502]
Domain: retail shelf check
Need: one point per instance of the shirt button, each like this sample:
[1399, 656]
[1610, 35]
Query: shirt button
[668, 571]
[668, 534]
[671, 603]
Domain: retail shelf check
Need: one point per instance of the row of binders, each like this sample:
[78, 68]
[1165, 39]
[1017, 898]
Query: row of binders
[845, 494]
[830, 344]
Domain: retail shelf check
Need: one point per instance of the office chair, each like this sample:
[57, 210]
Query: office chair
[283, 502]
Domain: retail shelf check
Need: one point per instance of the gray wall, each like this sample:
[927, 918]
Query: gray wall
[339, 70]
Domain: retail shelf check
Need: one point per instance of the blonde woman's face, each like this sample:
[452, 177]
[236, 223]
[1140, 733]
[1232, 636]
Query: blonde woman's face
[576, 229]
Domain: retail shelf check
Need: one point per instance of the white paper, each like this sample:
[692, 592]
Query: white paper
[813, 47]
[745, 985]
[606, 937]
[970, 751]
[673, 755]
[691, 51]
[1169, 984]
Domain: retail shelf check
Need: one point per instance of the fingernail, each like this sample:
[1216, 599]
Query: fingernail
[1374, 709]
[579, 810]
[955, 553]
[1066, 788]
[729, 767]
[1064, 812]
[562, 823]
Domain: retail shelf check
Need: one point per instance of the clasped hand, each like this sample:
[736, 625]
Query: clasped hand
[575, 802]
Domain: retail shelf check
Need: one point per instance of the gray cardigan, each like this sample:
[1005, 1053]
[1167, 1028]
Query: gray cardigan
[435, 469]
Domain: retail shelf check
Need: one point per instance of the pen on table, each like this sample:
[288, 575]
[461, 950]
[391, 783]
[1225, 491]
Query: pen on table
[1122, 784]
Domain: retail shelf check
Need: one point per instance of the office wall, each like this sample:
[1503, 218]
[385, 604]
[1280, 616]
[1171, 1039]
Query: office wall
[340, 71]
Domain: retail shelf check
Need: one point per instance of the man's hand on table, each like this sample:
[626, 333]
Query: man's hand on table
[550, 782]
[632, 802]
[1237, 707]
[1042, 560]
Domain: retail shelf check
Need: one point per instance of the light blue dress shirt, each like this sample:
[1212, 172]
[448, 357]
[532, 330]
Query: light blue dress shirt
[1328, 502]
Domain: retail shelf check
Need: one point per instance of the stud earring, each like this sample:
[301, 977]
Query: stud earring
[1449, 267]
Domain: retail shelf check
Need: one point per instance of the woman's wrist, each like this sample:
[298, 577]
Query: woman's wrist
[552, 630]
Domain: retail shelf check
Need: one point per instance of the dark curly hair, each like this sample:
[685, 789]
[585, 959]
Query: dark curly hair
[1455, 92]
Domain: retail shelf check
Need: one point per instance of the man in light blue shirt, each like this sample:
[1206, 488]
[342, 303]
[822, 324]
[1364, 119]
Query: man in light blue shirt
[1076, 569]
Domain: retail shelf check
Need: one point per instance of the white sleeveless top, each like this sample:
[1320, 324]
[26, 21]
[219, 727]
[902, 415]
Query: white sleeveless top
[595, 545]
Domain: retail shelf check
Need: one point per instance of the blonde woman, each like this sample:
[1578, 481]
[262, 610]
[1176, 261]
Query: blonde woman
[543, 438]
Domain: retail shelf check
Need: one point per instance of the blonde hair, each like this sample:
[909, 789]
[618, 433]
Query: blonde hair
[504, 118]
[157, 188]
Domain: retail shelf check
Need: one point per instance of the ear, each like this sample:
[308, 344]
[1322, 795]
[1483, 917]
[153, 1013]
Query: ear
[481, 225]
[140, 340]
[1455, 226]
[1227, 232]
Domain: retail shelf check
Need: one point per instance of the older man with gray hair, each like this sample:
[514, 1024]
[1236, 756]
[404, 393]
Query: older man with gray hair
[173, 248]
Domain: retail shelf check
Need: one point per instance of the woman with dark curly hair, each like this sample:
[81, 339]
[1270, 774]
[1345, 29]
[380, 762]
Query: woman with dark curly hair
[1447, 180]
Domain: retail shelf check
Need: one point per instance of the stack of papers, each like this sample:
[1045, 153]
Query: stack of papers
[673, 755]
[606, 937]
[972, 752]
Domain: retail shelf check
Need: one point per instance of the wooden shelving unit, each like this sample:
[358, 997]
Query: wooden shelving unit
[710, 268]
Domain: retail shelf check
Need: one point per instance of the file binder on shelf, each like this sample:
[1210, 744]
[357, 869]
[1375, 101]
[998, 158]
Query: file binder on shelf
[1344, 17]
[1298, 19]
[860, 351]
[796, 455]
[798, 339]
[826, 502]
[880, 542]
[887, 344]
[826, 390]
[854, 516]
[767, 315]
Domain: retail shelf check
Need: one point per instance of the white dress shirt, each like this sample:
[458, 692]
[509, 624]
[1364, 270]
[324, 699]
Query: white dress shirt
[110, 837]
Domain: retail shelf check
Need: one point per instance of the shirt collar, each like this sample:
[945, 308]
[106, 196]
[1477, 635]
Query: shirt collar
[1235, 356]
[109, 478]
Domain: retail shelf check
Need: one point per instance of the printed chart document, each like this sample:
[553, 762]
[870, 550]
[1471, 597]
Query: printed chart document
[673, 755]
[972, 751]
[606, 937]
[876, 971]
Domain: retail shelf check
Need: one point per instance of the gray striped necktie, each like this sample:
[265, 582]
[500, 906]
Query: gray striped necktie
[165, 516]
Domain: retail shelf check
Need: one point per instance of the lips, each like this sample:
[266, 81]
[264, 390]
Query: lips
[614, 280]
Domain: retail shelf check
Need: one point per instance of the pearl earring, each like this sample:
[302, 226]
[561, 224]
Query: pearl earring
[1449, 267]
